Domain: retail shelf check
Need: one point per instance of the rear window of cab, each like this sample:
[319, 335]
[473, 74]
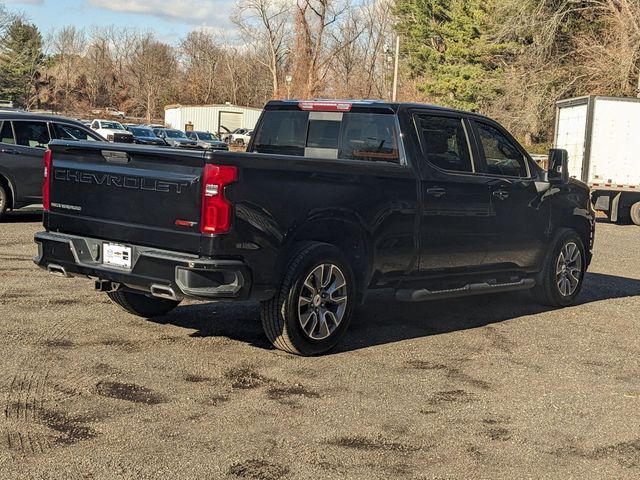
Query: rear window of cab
[334, 135]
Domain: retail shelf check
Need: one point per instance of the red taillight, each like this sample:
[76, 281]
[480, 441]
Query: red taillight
[46, 184]
[216, 210]
[325, 106]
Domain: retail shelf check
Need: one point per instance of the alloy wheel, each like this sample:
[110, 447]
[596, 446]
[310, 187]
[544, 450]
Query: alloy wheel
[569, 269]
[322, 302]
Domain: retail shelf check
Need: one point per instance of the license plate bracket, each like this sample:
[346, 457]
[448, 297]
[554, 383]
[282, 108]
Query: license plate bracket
[116, 255]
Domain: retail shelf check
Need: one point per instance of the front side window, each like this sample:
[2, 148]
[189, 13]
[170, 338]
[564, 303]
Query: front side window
[502, 157]
[209, 137]
[31, 134]
[175, 134]
[71, 132]
[445, 142]
[112, 126]
[6, 134]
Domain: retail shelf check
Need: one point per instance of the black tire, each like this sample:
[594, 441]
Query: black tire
[548, 291]
[4, 201]
[141, 305]
[239, 142]
[635, 213]
[281, 314]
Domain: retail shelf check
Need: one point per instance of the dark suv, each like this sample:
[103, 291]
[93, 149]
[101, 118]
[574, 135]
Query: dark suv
[24, 137]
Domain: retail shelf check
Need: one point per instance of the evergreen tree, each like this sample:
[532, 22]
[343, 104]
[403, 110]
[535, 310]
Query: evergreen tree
[21, 58]
[448, 46]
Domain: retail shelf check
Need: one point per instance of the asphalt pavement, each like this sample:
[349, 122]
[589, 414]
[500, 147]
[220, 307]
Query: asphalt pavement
[477, 388]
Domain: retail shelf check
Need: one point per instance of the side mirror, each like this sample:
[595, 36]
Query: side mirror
[558, 166]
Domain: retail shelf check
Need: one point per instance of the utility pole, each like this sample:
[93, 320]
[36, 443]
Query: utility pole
[288, 79]
[396, 60]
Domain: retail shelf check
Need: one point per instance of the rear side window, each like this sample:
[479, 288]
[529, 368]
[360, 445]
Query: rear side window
[369, 136]
[445, 143]
[31, 134]
[346, 136]
[501, 155]
[282, 132]
[71, 132]
[6, 134]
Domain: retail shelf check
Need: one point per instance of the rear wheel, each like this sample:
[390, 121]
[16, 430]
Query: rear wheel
[141, 305]
[563, 273]
[4, 201]
[635, 213]
[314, 304]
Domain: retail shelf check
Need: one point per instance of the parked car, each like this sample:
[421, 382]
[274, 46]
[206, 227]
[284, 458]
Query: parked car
[175, 138]
[111, 130]
[331, 201]
[110, 111]
[24, 138]
[144, 136]
[240, 137]
[208, 140]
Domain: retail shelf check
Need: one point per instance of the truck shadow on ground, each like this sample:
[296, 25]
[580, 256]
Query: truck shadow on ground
[26, 216]
[383, 320]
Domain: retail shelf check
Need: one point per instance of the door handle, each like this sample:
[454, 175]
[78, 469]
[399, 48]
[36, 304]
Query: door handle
[501, 194]
[436, 192]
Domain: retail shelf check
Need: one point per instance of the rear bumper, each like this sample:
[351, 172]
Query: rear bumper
[159, 272]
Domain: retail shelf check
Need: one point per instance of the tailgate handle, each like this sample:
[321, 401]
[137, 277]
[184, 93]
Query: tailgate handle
[113, 156]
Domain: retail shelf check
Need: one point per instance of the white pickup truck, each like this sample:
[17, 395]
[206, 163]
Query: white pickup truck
[111, 130]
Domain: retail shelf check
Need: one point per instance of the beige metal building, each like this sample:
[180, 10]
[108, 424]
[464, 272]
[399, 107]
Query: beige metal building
[211, 118]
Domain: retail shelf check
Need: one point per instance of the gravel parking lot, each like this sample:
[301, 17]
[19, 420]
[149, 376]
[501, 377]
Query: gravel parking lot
[488, 387]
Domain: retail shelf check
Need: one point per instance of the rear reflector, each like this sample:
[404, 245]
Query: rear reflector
[46, 184]
[325, 106]
[216, 210]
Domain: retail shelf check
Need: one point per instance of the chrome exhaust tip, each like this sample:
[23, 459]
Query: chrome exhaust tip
[163, 291]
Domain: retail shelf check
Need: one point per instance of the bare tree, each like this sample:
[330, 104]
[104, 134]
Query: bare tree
[201, 62]
[315, 44]
[98, 69]
[151, 72]
[359, 68]
[265, 24]
[68, 45]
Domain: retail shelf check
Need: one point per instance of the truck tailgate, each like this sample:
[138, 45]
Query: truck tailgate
[126, 193]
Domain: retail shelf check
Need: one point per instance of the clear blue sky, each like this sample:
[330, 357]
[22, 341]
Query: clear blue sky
[169, 19]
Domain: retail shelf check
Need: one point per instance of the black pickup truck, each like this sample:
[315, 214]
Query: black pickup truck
[333, 199]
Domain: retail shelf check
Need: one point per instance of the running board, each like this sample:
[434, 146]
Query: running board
[407, 295]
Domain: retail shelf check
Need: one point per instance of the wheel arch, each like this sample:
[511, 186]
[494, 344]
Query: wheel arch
[346, 233]
[585, 229]
[5, 182]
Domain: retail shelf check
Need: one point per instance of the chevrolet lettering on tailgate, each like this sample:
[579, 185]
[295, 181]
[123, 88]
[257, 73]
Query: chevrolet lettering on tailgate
[118, 181]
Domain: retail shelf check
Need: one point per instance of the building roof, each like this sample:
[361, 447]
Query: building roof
[212, 105]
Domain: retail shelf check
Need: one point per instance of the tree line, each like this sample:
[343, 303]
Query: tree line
[510, 59]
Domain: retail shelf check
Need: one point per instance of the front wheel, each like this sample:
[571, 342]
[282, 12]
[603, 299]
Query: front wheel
[4, 201]
[635, 213]
[141, 305]
[314, 304]
[563, 272]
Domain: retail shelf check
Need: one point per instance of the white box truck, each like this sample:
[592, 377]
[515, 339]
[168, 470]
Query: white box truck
[602, 136]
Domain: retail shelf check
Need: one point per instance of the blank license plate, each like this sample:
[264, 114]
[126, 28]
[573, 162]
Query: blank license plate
[117, 255]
